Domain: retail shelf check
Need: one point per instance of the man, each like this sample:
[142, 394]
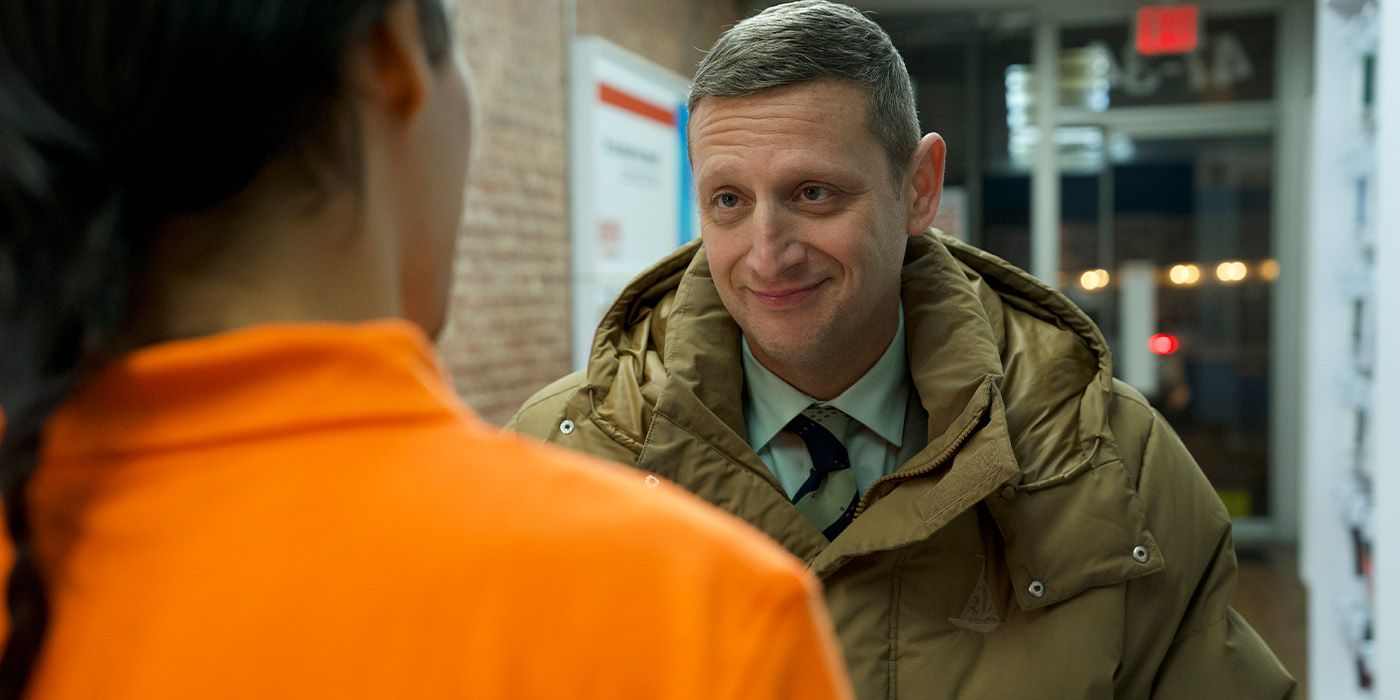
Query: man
[935, 432]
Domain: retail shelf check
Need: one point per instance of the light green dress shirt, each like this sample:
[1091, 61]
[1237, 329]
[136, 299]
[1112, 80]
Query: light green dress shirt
[877, 403]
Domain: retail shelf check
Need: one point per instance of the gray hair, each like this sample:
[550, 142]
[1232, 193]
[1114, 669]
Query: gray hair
[808, 40]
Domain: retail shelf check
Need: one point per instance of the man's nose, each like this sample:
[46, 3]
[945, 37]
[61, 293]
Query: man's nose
[776, 249]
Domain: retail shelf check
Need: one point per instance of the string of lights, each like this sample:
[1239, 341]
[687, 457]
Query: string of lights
[1227, 272]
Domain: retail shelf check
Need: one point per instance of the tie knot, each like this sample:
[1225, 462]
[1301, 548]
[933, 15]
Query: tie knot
[833, 419]
[829, 496]
[823, 438]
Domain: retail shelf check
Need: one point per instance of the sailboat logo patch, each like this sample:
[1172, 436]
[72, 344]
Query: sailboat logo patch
[980, 613]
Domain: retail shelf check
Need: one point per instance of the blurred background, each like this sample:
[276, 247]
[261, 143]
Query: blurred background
[1214, 183]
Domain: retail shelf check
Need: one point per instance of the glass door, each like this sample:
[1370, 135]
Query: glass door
[1170, 175]
[1170, 249]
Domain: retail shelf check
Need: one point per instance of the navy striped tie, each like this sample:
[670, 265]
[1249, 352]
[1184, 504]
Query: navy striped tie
[829, 496]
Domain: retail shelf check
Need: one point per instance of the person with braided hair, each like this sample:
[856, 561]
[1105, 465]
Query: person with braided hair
[231, 465]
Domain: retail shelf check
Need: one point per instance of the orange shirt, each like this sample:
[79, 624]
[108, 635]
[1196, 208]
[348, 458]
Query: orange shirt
[307, 511]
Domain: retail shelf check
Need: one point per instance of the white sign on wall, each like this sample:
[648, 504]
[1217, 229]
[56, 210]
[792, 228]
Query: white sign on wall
[630, 182]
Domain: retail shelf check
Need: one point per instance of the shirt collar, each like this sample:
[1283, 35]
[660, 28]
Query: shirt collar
[252, 381]
[877, 400]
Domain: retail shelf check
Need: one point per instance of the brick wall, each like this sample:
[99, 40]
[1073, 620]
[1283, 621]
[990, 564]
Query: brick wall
[673, 34]
[509, 324]
[509, 330]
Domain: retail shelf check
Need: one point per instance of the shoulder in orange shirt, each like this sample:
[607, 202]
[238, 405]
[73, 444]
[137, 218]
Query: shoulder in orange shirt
[306, 511]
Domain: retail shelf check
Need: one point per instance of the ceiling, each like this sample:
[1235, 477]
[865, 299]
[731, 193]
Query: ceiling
[1059, 9]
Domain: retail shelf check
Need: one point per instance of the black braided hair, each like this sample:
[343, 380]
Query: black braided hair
[115, 114]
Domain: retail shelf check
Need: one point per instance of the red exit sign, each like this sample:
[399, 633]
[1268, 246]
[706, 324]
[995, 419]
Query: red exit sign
[1167, 29]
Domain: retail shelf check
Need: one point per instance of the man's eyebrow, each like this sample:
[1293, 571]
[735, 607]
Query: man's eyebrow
[800, 170]
[713, 171]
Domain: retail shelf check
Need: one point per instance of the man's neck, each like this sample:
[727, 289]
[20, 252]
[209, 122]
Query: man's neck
[822, 385]
[825, 378]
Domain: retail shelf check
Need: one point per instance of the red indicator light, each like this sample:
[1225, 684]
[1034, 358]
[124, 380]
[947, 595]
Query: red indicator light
[1163, 344]
[1168, 29]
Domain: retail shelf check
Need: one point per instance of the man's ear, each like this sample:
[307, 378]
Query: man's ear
[925, 185]
[391, 69]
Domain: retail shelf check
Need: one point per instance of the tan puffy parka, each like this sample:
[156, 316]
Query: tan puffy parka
[1053, 540]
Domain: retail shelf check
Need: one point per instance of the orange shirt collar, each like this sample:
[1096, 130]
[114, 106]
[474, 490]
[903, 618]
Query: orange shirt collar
[253, 382]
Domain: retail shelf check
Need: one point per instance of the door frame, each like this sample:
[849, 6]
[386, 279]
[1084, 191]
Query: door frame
[1287, 119]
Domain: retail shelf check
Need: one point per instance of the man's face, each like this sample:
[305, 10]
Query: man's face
[803, 225]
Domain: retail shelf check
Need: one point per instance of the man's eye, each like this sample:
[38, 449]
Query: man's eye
[812, 193]
[727, 200]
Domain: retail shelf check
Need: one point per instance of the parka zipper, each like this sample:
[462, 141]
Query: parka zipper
[938, 461]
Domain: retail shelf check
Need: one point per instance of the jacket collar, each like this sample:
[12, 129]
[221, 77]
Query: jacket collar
[701, 403]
